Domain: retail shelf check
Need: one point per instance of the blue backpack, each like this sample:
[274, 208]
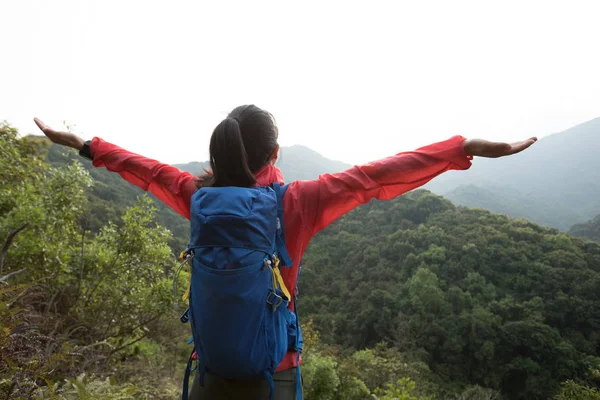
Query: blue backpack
[238, 303]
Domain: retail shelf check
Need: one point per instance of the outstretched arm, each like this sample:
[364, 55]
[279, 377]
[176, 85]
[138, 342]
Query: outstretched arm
[171, 185]
[325, 199]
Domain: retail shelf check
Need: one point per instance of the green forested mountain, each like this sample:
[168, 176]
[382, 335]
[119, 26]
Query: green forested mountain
[410, 299]
[478, 297]
[110, 195]
[554, 183]
[588, 230]
[82, 314]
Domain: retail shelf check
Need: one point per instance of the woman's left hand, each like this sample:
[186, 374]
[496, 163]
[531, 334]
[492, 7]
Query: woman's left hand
[485, 148]
[64, 138]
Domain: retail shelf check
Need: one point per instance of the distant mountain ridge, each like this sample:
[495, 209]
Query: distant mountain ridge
[295, 162]
[589, 230]
[554, 183]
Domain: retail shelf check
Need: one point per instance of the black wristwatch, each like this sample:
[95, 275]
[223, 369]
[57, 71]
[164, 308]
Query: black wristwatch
[85, 150]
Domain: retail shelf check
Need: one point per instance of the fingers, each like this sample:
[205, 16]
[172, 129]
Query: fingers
[520, 146]
[54, 136]
[40, 124]
[43, 127]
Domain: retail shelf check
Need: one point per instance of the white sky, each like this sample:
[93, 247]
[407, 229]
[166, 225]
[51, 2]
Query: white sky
[353, 80]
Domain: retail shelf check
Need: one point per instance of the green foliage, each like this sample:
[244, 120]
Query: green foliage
[410, 299]
[572, 390]
[320, 378]
[381, 365]
[76, 300]
[88, 388]
[111, 194]
[478, 298]
[479, 393]
[352, 388]
[401, 390]
[125, 287]
[330, 375]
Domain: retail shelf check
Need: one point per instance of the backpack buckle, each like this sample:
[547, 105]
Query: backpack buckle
[185, 317]
[186, 254]
[274, 300]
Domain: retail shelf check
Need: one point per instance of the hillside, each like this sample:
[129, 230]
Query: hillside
[110, 195]
[516, 204]
[412, 298]
[555, 183]
[589, 230]
[478, 297]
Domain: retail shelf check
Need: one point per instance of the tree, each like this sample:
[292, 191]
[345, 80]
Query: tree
[72, 300]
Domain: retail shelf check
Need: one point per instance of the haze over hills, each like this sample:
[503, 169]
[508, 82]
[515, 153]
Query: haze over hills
[588, 230]
[296, 163]
[555, 183]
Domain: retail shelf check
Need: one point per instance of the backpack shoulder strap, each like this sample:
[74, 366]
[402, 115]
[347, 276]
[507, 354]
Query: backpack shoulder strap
[281, 249]
[280, 191]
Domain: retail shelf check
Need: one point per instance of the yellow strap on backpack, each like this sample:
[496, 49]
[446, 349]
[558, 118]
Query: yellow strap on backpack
[186, 295]
[278, 279]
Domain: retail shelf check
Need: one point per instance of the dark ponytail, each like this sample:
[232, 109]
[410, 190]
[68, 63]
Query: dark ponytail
[240, 146]
[228, 156]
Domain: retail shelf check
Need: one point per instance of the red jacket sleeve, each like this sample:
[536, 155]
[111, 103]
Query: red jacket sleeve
[330, 196]
[168, 183]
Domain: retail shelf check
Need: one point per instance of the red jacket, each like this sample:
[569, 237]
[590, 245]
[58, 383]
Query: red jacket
[309, 206]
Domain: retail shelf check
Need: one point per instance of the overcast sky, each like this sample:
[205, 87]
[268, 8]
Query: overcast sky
[353, 80]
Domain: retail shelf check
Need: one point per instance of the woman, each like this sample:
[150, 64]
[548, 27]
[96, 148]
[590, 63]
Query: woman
[243, 151]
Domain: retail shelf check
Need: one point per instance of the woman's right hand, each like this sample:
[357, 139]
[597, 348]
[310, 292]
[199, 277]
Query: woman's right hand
[64, 138]
[485, 148]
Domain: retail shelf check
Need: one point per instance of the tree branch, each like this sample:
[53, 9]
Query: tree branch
[5, 277]
[88, 292]
[130, 331]
[127, 345]
[81, 267]
[7, 244]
